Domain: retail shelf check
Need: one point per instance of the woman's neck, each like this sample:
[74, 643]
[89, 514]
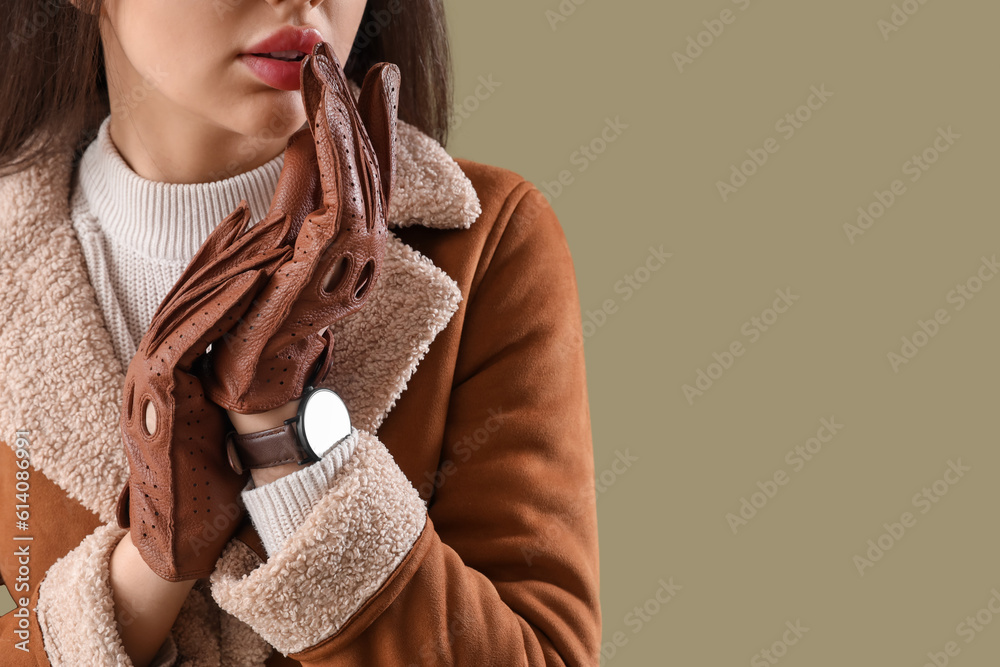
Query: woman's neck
[164, 146]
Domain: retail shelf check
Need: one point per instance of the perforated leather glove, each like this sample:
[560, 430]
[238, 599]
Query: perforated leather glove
[277, 349]
[179, 502]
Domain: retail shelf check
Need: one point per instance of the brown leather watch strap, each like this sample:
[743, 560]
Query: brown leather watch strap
[264, 449]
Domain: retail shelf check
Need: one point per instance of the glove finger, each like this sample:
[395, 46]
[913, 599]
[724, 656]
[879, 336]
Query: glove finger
[321, 73]
[378, 106]
[334, 122]
[205, 320]
[298, 191]
[187, 303]
[323, 87]
[216, 261]
[346, 237]
[250, 250]
[220, 238]
[323, 94]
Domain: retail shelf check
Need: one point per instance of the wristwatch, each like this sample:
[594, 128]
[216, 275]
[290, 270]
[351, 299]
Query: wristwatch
[321, 423]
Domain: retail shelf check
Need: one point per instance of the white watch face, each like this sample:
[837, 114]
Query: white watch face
[325, 421]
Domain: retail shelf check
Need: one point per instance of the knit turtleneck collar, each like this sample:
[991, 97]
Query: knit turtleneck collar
[167, 221]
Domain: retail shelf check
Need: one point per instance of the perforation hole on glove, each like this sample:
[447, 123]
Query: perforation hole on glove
[149, 417]
[336, 274]
[129, 397]
[365, 279]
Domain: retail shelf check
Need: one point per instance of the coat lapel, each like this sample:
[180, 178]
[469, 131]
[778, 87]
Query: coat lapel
[62, 382]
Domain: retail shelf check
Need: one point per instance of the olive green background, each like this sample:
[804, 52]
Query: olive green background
[663, 518]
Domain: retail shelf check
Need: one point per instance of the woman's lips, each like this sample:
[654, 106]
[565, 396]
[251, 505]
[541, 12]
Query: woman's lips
[269, 58]
[280, 74]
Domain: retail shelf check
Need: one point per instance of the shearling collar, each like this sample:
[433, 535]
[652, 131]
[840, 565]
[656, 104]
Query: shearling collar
[59, 376]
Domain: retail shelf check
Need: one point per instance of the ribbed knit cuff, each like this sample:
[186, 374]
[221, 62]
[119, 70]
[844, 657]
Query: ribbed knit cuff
[278, 508]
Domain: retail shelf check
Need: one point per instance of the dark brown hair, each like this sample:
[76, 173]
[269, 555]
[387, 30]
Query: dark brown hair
[54, 71]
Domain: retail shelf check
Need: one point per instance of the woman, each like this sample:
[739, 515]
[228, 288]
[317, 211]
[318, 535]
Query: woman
[455, 524]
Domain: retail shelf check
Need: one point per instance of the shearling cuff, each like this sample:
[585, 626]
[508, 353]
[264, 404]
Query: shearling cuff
[76, 610]
[348, 546]
[278, 508]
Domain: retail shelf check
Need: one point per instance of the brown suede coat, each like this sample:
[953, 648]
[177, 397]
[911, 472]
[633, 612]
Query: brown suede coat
[463, 530]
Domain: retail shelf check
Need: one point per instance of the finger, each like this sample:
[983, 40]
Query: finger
[224, 300]
[377, 105]
[221, 258]
[320, 73]
[298, 191]
[337, 131]
[220, 238]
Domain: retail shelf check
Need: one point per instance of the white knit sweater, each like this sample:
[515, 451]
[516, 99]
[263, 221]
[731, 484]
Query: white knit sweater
[138, 237]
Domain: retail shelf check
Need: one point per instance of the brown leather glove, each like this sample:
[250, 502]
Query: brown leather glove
[276, 349]
[179, 501]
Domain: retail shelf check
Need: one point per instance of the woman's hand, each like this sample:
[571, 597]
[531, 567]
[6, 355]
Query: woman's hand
[181, 499]
[146, 603]
[336, 230]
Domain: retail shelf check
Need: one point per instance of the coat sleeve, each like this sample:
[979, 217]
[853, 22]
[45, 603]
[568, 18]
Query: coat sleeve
[501, 568]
